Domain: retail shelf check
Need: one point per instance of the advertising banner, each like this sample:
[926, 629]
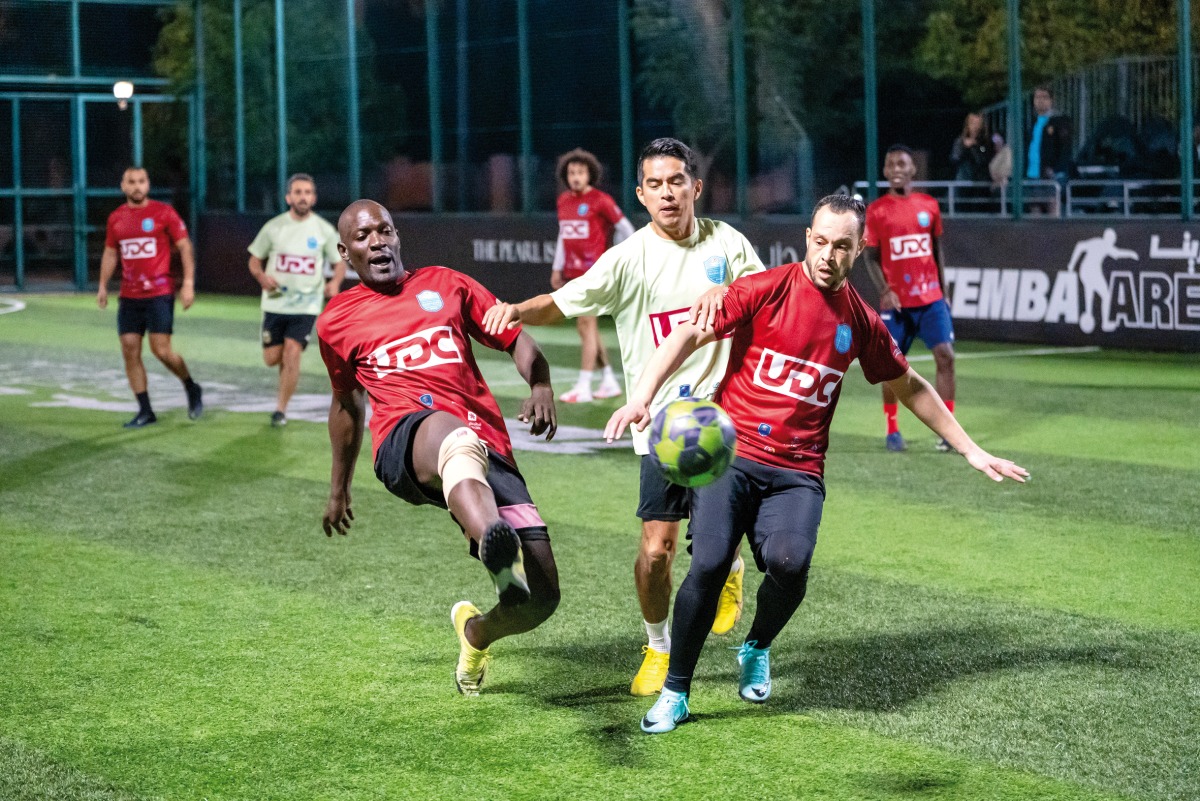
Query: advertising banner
[1118, 284]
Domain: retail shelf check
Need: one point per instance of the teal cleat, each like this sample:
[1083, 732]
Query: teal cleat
[668, 711]
[755, 682]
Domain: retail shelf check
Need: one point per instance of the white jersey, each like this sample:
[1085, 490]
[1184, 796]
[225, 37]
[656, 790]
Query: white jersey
[299, 251]
[648, 284]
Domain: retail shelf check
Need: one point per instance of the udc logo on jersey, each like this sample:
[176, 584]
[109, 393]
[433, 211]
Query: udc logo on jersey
[312, 242]
[426, 400]
[764, 429]
[583, 209]
[842, 338]
[923, 219]
[714, 268]
[430, 301]
[147, 225]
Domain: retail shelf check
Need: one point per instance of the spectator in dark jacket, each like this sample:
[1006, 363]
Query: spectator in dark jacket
[1049, 141]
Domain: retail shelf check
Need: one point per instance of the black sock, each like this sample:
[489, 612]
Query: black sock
[190, 385]
[143, 399]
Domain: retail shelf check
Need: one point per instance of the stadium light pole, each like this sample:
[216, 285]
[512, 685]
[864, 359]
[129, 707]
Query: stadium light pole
[462, 119]
[433, 62]
[1016, 126]
[353, 133]
[239, 110]
[870, 91]
[628, 174]
[1187, 161]
[737, 24]
[526, 106]
[280, 106]
[201, 178]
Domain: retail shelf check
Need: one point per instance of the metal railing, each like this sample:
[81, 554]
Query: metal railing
[1078, 198]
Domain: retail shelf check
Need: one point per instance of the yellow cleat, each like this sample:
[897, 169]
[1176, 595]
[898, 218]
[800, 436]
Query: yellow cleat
[729, 608]
[651, 674]
[472, 661]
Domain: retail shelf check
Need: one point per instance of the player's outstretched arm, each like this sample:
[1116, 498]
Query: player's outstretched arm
[684, 340]
[347, 413]
[922, 400]
[108, 266]
[540, 310]
[704, 310]
[538, 408]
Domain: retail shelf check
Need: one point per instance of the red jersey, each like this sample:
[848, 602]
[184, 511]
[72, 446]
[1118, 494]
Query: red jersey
[792, 345]
[585, 223]
[903, 228]
[409, 349]
[143, 236]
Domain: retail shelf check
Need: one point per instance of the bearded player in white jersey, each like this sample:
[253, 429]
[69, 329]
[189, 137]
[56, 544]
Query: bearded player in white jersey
[648, 283]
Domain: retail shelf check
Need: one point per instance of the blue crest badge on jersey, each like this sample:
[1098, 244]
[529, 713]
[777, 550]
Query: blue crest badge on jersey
[764, 429]
[685, 390]
[923, 219]
[842, 338]
[312, 242]
[714, 268]
[147, 225]
[583, 209]
[426, 399]
[430, 301]
[907, 278]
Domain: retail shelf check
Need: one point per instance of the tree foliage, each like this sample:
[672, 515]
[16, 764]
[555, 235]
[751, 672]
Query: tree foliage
[315, 58]
[965, 41]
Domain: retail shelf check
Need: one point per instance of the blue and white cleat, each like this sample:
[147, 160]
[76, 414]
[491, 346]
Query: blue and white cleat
[668, 711]
[754, 685]
[895, 443]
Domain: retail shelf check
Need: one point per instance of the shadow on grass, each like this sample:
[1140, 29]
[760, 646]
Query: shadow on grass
[69, 456]
[876, 673]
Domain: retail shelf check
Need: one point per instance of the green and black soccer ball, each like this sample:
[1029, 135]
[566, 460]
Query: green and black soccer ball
[692, 441]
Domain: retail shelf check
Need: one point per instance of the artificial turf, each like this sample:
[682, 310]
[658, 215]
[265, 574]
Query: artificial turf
[173, 624]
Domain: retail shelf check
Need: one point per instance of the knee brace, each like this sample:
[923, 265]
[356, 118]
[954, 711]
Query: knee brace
[461, 457]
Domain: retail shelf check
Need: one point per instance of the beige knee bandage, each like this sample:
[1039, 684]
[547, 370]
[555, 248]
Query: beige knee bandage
[462, 456]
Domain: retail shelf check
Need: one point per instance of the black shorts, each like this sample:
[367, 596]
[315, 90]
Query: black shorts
[139, 315]
[659, 499]
[759, 502]
[278, 327]
[394, 467]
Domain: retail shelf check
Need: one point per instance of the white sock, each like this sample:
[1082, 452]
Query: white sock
[608, 376]
[737, 564]
[585, 379]
[660, 637]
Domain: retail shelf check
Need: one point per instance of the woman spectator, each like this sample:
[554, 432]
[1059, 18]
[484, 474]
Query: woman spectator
[973, 151]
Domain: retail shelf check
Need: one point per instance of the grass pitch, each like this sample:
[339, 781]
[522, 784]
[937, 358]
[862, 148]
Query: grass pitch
[173, 624]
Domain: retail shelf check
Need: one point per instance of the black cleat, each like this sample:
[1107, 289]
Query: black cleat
[278, 419]
[142, 420]
[195, 402]
[500, 552]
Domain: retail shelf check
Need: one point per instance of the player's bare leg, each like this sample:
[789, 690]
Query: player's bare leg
[474, 507]
[160, 346]
[609, 386]
[943, 358]
[289, 377]
[652, 575]
[135, 371]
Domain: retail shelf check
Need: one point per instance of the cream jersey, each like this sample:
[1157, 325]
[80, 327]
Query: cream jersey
[298, 251]
[648, 284]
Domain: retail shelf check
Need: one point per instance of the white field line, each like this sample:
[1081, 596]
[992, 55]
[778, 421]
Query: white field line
[8, 306]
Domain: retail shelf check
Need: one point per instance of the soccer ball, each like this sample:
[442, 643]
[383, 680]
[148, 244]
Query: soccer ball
[692, 441]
